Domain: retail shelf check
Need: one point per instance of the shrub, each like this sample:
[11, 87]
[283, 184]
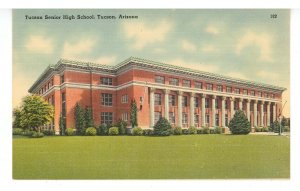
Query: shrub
[258, 129]
[69, 132]
[177, 131]
[122, 125]
[148, 132]
[162, 127]
[265, 129]
[102, 130]
[91, 131]
[192, 130]
[48, 132]
[113, 131]
[200, 131]
[205, 130]
[37, 135]
[28, 133]
[286, 128]
[239, 124]
[17, 131]
[137, 131]
[185, 132]
[218, 130]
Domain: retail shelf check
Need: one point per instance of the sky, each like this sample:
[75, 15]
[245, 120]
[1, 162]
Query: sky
[246, 44]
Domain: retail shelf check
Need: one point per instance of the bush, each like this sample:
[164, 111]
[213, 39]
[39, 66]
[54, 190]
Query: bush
[200, 131]
[239, 124]
[177, 131]
[91, 131]
[37, 135]
[113, 131]
[69, 132]
[28, 133]
[17, 131]
[162, 127]
[205, 130]
[218, 130]
[192, 130]
[137, 131]
[102, 130]
[286, 128]
[148, 132]
[48, 132]
[185, 132]
[122, 125]
[265, 129]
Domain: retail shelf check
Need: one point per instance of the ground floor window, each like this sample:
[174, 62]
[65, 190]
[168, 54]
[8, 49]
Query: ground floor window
[184, 118]
[226, 120]
[107, 118]
[157, 116]
[217, 120]
[172, 117]
[207, 119]
[125, 116]
[196, 119]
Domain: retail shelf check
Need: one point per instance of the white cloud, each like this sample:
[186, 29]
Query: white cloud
[82, 46]
[144, 34]
[267, 75]
[212, 30]
[236, 75]
[263, 41]
[159, 50]
[188, 46]
[39, 44]
[208, 48]
[108, 60]
[194, 65]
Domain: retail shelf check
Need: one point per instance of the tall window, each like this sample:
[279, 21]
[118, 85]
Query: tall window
[226, 120]
[106, 81]
[207, 119]
[106, 99]
[245, 92]
[217, 120]
[236, 105]
[219, 88]
[63, 104]
[124, 98]
[237, 90]
[252, 93]
[157, 116]
[229, 89]
[157, 99]
[206, 102]
[173, 81]
[186, 83]
[196, 119]
[259, 94]
[267, 95]
[171, 100]
[107, 118]
[196, 100]
[184, 101]
[172, 117]
[209, 86]
[125, 116]
[62, 78]
[198, 85]
[217, 103]
[160, 79]
[226, 104]
[184, 118]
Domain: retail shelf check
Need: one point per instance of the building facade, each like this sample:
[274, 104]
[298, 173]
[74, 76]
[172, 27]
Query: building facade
[184, 96]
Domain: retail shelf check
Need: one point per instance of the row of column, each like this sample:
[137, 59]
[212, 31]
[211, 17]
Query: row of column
[203, 96]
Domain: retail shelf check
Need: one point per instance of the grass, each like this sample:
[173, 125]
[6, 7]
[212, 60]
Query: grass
[130, 157]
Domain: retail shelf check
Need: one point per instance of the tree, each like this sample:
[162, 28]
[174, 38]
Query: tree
[275, 126]
[62, 124]
[88, 117]
[35, 112]
[239, 124]
[133, 114]
[16, 118]
[162, 127]
[284, 122]
[79, 119]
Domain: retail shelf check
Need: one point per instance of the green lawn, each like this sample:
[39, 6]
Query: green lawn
[174, 157]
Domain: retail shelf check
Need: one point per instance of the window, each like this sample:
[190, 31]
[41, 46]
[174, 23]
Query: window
[174, 81]
[106, 81]
[186, 83]
[196, 118]
[237, 90]
[160, 79]
[106, 99]
[251, 107]
[206, 102]
[157, 116]
[259, 94]
[184, 101]
[196, 100]
[125, 116]
[245, 92]
[217, 103]
[226, 104]
[207, 119]
[209, 86]
[184, 118]
[157, 99]
[48, 85]
[106, 118]
[198, 85]
[62, 79]
[52, 82]
[229, 89]
[217, 120]
[219, 88]
[252, 93]
[172, 117]
[63, 104]
[124, 98]
[236, 105]
[271, 95]
[267, 95]
[172, 100]
[226, 120]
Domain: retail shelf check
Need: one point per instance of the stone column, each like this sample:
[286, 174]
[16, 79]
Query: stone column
[192, 109]
[255, 112]
[274, 112]
[152, 90]
[167, 103]
[231, 107]
[248, 109]
[262, 113]
[213, 110]
[180, 108]
[268, 113]
[241, 104]
[203, 109]
[223, 110]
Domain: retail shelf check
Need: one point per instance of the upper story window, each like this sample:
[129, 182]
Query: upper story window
[160, 79]
[157, 99]
[259, 94]
[219, 88]
[171, 117]
[217, 103]
[106, 81]
[245, 92]
[198, 85]
[106, 99]
[196, 100]
[184, 118]
[186, 83]
[267, 95]
[172, 100]
[62, 78]
[252, 93]
[209, 86]
[206, 102]
[184, 101]
[237, 90]
[124, 98]
[229, 89]
[157, 116]
[173, 81]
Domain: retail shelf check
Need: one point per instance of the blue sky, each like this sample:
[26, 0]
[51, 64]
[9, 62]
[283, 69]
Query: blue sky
[245, 44]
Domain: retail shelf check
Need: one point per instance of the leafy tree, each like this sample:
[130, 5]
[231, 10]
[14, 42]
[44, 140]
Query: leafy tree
[284, 122]
[162, 127]
[122, 125]
[79, 119]
[275, 126]
[16, 118]
[239, 124]
[133, 114]
[88, 117]
[103, 129]
[35, 112]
